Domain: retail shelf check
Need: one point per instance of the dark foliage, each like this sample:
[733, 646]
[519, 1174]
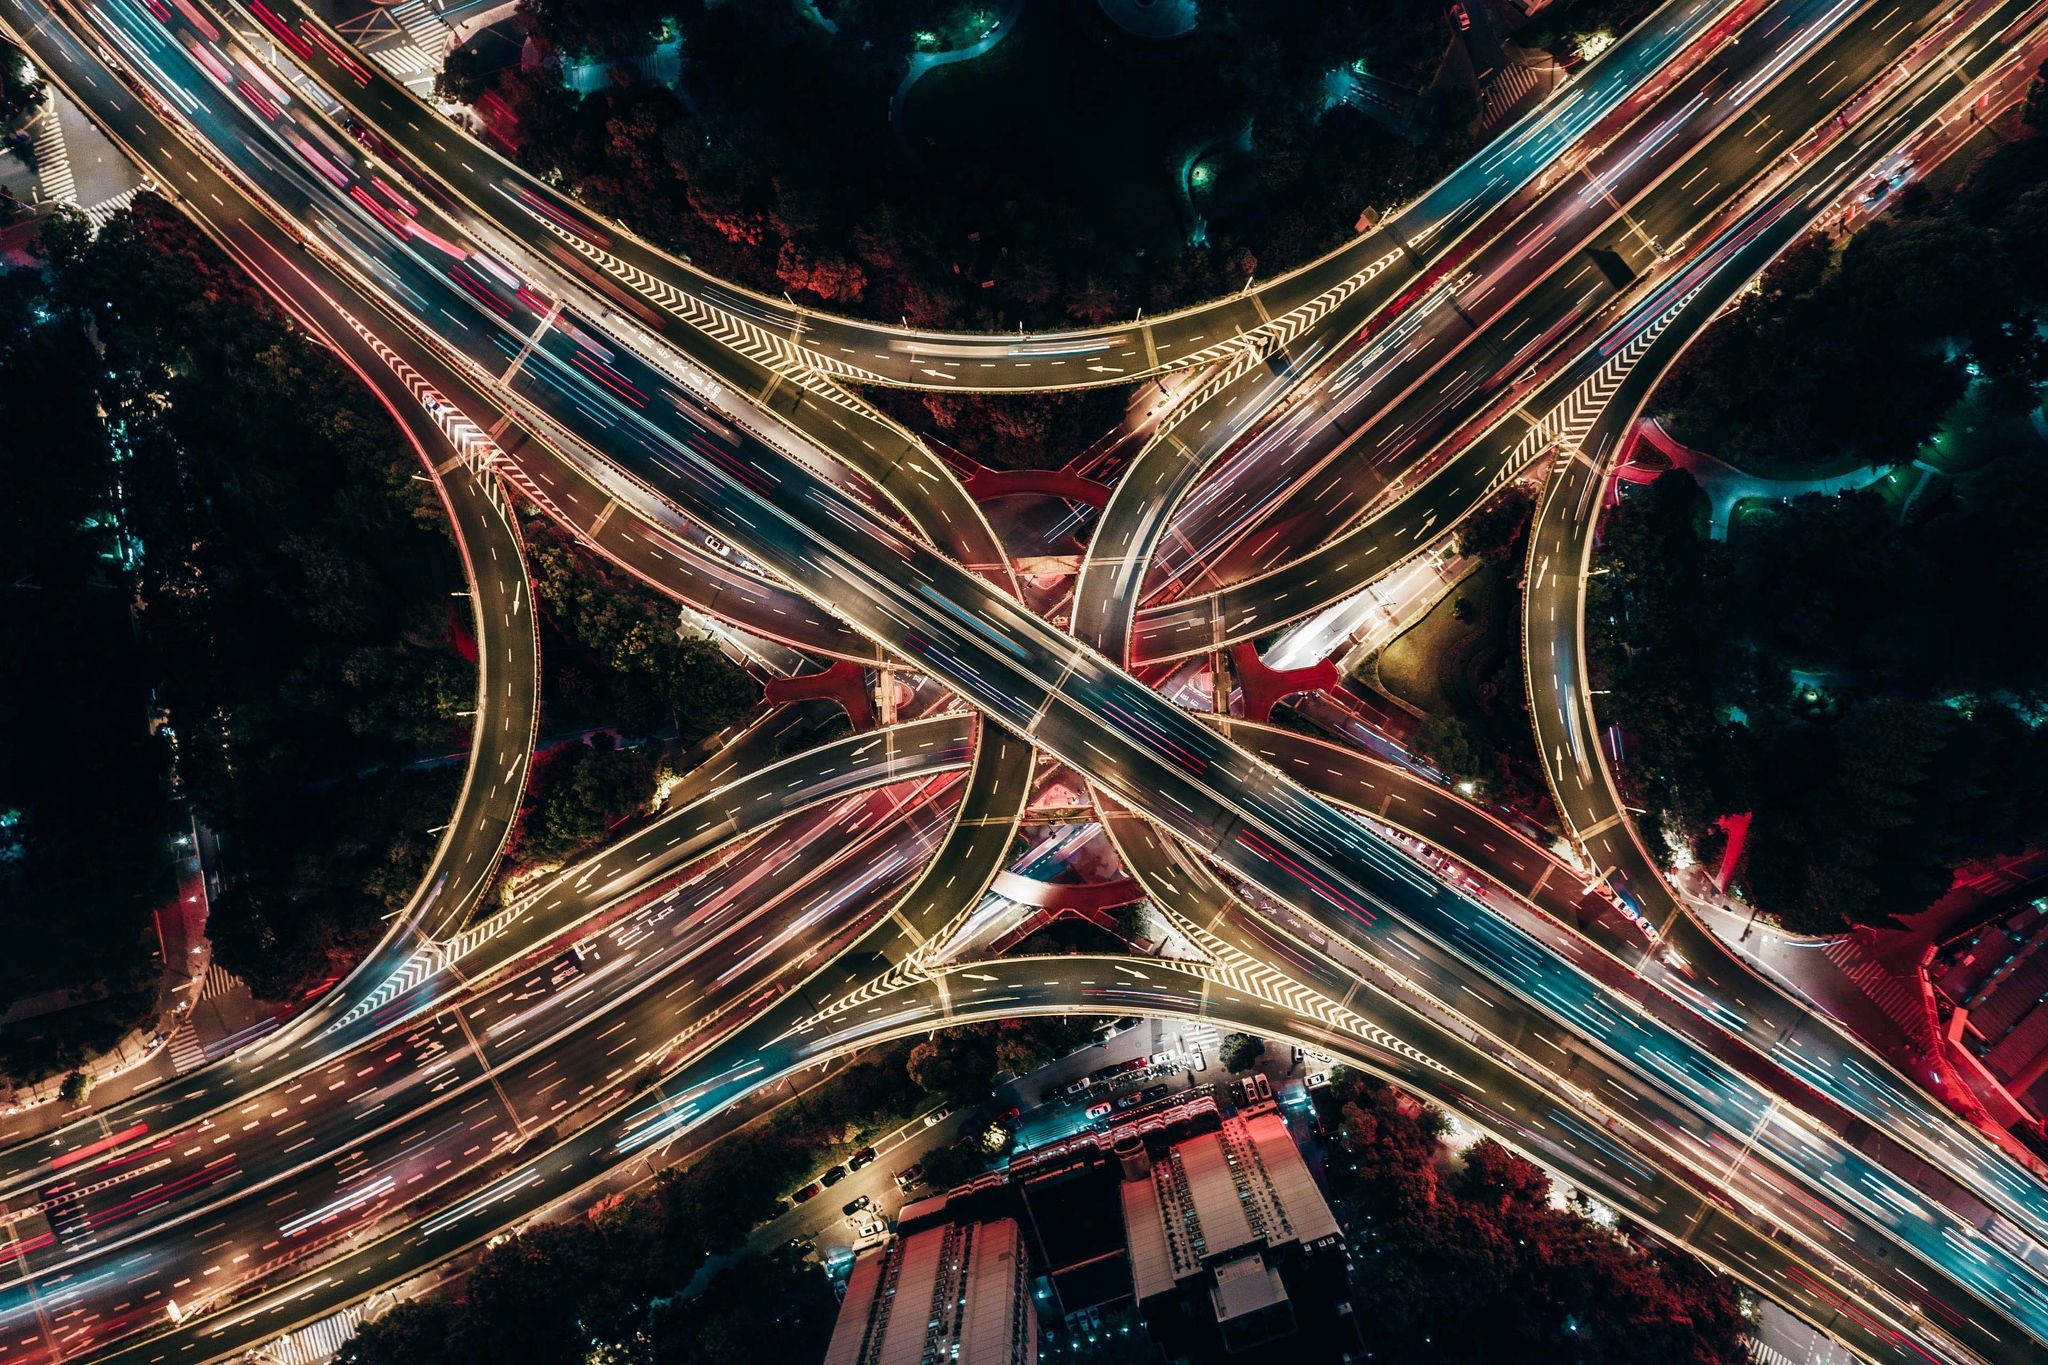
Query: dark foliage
[964, 1063]
[1900, 748]
[1471, 1262]
[1565, 25]
[290, 588]
[579, 791]
[633, 664]
[1851, 353]
[1864, 686]
[85, 821]
[775, 162]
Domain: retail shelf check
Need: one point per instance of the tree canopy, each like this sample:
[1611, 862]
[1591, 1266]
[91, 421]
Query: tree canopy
[776, 162]
[1467, 1260]
[633, 662]
[1851, 352]
[258, 565]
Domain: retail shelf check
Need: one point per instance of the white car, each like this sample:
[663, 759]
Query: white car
[1160, 1059]
[1097, 1111]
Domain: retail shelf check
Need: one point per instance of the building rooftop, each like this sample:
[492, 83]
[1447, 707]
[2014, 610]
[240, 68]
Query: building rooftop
[1242, 1186]
[954, 1293]
[1246, 1285]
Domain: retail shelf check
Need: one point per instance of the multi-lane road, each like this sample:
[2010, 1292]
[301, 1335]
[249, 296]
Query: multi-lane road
[460, 1084]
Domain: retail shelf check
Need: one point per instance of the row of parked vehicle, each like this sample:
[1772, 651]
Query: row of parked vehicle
[863, 1158]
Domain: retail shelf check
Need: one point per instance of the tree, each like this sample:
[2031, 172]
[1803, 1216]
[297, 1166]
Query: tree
[955, 1164]
[1467, 1260]
[957, 1063]
[638, 667]
[1445, 742]
[1496, 530]
[290, 578]
[462, 78]
[1241, 1052]
[77, 1088]
[578, 792]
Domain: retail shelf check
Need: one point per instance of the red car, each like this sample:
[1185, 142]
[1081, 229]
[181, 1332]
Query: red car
[810, 1191]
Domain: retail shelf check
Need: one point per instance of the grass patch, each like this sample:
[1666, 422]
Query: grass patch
[1439, 664]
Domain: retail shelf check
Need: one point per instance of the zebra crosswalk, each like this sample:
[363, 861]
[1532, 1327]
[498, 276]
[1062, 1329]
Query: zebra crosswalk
[1504, 91]
[404, 60]
[220, 981]
[186, 1052]
[1897, 996]
[53, 162]
[316, 1341]
[426, 27]
[98, 214]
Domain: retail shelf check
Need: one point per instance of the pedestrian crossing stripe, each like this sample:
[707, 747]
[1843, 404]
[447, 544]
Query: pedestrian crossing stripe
[186, 1052]
[53, 161]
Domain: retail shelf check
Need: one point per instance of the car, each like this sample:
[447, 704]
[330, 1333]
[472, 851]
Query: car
[833, 1176]
[1152, 1092]
[1135, 1064]
[938, 1115]
[1163, 1058]
[1317, 1080]
[909, 1175]
[1079, 1087]
[1009, 1115]
[853, 1206]
[807, 1193]
[1125, 1101]
[573, 959]
[860, 1158]
[1461, 17]
[1096, 1111]
[1104, 1073]
[801, 1246]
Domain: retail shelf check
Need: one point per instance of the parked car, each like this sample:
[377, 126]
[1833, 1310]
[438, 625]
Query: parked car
[1317, 1080]
[801, 1246]
[909, 1175]
[1125, 1101]
[1079, 1087]
[860, 1158]
[938, 1115]
[1164, 1058]
[834, 1176]
[1103, 1073]
[1152, 1092]
[854, 1206]
[1009, 1115]
[808, 1192]
[1096, 1111]
[1136, 1064]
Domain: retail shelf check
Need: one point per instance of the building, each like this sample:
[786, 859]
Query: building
[956, 1293]
[1995, 979]
[1229, 1236]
